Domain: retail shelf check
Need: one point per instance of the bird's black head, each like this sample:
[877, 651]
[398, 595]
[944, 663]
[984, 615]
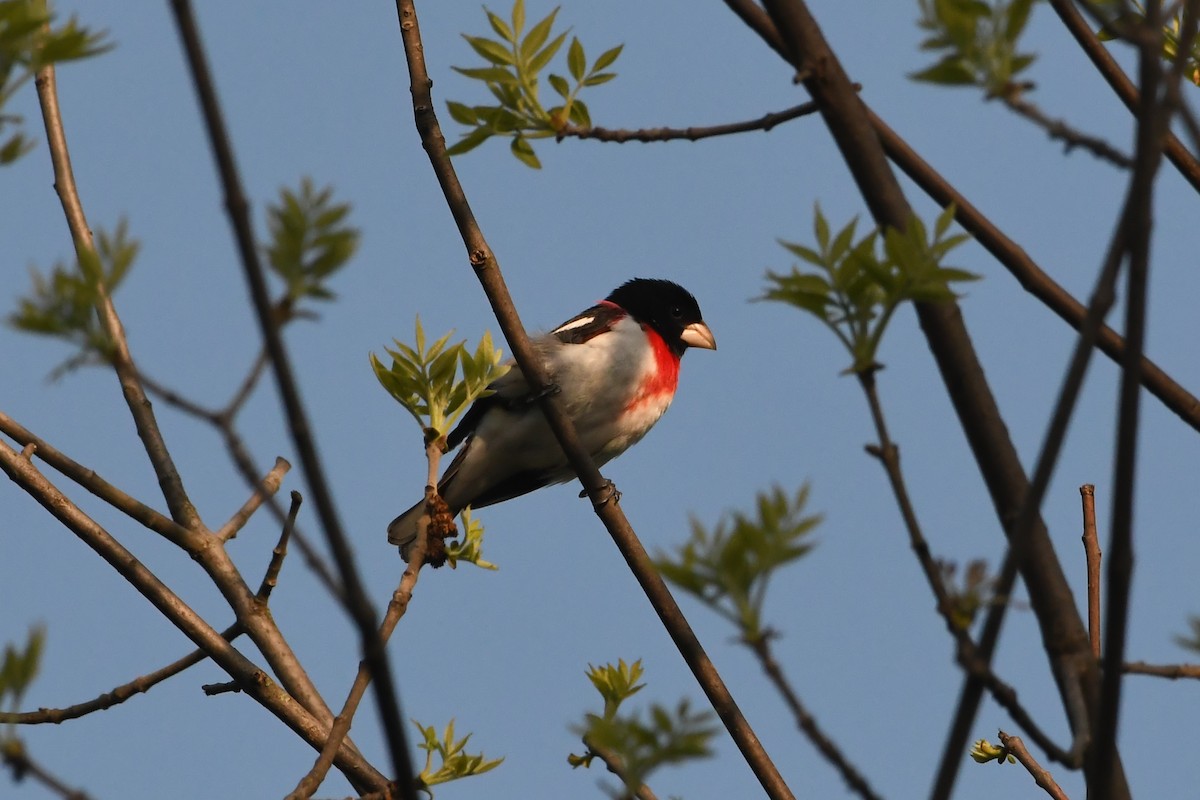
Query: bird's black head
[669, 309]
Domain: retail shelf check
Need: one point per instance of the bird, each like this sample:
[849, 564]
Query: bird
[615, 366]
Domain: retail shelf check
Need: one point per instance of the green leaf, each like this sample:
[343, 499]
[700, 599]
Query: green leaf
[518, 16]
[469, 142]
[538, 35]
[1016, 18]
[490, 74]
[560, 85]
[492, 51]
[542, 58]
[524, 152]
[462, 114]
[948, 72]
[579, 114]
[500, 27]
[599, 78]
[576, 60]
[607, 58]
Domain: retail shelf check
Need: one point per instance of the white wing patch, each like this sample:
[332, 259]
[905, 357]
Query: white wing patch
[578, 322]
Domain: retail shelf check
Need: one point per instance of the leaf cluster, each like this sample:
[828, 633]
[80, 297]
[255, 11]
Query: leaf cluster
[856, 289]
[513, 72]
[29, 41]
[63, 303]
[632, 745]
[729, 568]
[455, 762]
[978, 42]
[309, 240]
[984, 751]
[976, 590]
[468, 549]
[1127, 15]
[19, 668]
[424, 380]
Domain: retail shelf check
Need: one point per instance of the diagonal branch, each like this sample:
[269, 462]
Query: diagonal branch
[182, 510]
[267, 487]
[1063, 633]
[1027, 272]
[257, 683]
[90, 480]
[1186, 163]
[600, 491]
[357, 604]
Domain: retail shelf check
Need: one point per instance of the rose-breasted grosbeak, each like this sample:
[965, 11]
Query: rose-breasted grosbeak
[616, 365]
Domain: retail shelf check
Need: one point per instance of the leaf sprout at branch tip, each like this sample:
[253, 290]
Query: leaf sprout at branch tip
[729, 568]
[855, 289]
[633, 746]
[512, 75]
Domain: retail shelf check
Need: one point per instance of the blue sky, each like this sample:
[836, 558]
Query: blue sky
[320, 89]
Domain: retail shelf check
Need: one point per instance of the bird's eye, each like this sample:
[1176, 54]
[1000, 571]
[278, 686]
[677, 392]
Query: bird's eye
[677, 312]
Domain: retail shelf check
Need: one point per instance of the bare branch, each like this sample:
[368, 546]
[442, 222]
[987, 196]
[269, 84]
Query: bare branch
[1058, 129]
[267, 487]
[120, 693]
[182, 510]
[598, 489]
[257, 683]
[1153, 121]
[358, 605]
[16, 758]
[345, 718]
[691, 133]
[88, 479]
[280, 552]
[968, 654]
[1172, 671]
[1027, 272]
[1091, 550]
[1186, 163]
[761, 646]
[1041, 776]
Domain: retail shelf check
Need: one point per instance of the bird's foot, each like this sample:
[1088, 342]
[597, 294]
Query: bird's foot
[609, 494]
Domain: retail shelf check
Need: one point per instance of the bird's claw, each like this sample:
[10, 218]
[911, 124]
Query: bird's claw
[609, 494]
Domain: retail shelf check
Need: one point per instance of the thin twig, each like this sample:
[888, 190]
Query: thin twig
[1153, 120]
[252, 678]
[616, 765]
[1041, 776]
[396, 609]
[1058, 129]
[692, 133]
[14, 756]
[144, 683]
[1185, 162]
[119, 694]
[87, 478]
[761, 647]
[359, 607]
[798, 36]
[967, 653]
[599, 490]
[1091, 550]
[271, 578]
[1172, 671]
[1028, 273]
[268, 486]
[182, 510]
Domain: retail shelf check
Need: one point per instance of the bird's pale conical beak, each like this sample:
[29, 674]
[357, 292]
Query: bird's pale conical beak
[698, 335]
